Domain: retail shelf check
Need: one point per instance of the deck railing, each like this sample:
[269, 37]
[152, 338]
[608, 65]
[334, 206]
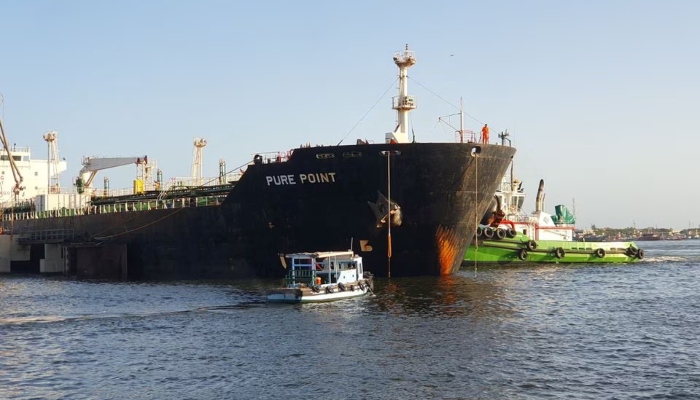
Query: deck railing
[301, 276]
[133, 206]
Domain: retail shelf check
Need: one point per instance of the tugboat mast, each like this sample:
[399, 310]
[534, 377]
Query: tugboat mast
[403, 103]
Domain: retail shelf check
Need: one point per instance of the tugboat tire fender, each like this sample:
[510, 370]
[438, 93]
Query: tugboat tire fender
[600, 252]
[531, 245]
[522, 254]
[488, 232]
[479, 231]
[315, 289]
[511, 233]
[559, 252]
[341, 286]
[329, 289]
[640, 254]
[500, 233]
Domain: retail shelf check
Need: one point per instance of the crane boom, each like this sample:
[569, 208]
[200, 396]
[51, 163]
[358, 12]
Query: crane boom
[15, 171]
[93, 164]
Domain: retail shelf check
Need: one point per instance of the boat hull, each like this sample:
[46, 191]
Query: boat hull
[521, 250]
[321, 197]
[306, 295]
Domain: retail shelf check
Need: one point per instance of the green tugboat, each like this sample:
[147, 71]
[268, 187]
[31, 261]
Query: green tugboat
[522, 248]
[507, 234]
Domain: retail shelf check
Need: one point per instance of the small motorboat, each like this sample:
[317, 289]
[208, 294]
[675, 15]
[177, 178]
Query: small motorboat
[322, 276]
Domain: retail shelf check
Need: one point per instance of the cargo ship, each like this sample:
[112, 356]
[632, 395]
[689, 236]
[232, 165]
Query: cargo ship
[407, 208]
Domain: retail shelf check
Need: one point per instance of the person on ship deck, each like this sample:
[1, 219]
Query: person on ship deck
[485, 134]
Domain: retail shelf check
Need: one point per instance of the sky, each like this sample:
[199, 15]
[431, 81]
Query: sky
[600, 97]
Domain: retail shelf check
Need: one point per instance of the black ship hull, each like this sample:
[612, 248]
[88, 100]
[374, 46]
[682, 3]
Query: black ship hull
[320, 199]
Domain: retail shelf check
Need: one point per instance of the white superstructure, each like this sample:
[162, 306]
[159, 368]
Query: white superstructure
[35, 173]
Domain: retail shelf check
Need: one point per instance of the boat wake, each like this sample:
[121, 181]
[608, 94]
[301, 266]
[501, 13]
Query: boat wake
[47, 319]
[666, 259]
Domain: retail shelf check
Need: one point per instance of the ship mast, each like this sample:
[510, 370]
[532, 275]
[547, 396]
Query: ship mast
[403, 103]
[199, 144]
[54, 184]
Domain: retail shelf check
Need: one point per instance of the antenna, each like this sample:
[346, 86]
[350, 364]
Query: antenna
[461, 120]
[459, 132]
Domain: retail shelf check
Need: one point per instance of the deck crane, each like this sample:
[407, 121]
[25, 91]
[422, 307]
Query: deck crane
[15, 171]
[93, 164]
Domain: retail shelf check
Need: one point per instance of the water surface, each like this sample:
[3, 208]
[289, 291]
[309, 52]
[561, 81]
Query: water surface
[533, 332]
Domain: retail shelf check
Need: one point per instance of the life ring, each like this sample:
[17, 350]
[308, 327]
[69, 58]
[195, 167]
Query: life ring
[341, 286]
[500, 233]
[600, 252]
[531, 245]
[640, 254]
[488, 232]
[559, 252]
[511, 233]
[522, 254]
[479, 231]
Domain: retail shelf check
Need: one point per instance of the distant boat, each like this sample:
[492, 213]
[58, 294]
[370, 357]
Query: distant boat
[592, 238]
[649, 236]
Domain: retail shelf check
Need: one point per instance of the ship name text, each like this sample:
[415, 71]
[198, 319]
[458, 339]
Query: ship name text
[301, 179]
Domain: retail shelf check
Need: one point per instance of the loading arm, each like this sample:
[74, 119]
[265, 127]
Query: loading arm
[93, 164]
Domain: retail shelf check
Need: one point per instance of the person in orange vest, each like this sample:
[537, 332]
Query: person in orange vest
[485, 134]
